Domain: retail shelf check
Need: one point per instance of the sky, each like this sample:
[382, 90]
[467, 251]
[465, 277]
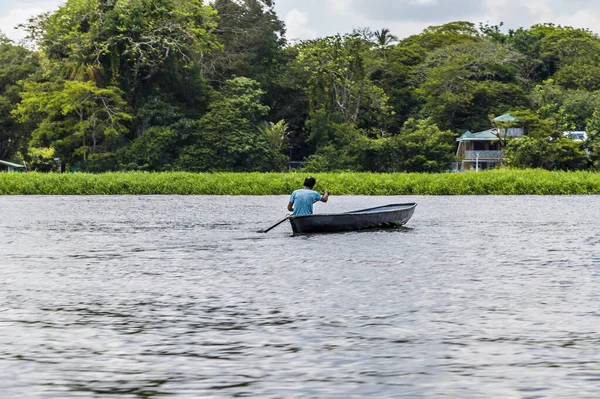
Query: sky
[309, 19]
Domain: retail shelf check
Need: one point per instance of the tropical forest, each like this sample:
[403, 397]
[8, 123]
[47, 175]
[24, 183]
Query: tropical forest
[188, 85]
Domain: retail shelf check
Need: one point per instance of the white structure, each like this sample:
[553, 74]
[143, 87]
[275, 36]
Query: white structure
[485, 150]
[12, 167]
[578, 136]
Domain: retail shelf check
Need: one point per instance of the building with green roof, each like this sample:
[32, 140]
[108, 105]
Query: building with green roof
[485, 150]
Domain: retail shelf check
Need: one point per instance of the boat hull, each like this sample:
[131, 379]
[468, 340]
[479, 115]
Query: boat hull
[382, 216]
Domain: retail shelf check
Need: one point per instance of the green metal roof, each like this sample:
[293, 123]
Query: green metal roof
[490, 134]
[505, 118]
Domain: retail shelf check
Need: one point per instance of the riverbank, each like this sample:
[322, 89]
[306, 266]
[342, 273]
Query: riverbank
[497, 182]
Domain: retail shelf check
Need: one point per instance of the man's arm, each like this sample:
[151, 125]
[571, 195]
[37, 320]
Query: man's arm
[325, 196]
[291, 206]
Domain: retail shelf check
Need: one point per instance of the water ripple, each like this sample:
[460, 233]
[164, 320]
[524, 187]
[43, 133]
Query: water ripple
[147, 297]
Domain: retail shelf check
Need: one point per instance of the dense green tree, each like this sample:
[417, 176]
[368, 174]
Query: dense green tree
[544, 146]
[252, 39]
[419, 147]
[229, 136]
[158, 148]
[149, 49]
[593, 141]
[194, 85]
[143, 47]
[289, 101]
[568, 55]
[528, 43]
[394, 74]
[572, 109]
[339, 88]
[346, 150]
[74, 118]
[558, 154]
[494, 32]
[462, 84]
[437, 37]
[125, 43]
[16, 64]
[422, 147]
[573, 56]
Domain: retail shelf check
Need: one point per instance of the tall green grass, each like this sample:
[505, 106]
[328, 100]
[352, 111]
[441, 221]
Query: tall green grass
[497, 182]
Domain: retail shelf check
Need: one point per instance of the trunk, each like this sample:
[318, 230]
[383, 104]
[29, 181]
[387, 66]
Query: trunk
[84, 150]
[94, 137]
[84, 140]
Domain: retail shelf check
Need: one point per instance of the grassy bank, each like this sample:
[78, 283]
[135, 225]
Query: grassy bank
[499, 182]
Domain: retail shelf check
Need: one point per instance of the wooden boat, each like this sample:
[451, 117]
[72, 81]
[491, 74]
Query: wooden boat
[381, 216]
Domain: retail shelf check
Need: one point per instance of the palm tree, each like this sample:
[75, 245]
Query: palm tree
[276, 134]
[384, 39]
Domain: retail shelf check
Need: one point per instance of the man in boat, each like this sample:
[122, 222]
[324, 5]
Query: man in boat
[301, 201]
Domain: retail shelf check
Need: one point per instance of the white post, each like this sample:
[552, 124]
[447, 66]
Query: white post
[476, 162]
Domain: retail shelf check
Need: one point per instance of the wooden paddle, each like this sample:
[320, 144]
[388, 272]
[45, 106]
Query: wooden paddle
[275, 225]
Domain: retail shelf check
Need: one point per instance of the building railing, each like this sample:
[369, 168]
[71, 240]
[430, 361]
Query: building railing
[295, 164]
[472, 155]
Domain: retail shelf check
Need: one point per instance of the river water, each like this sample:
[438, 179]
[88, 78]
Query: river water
[177, 296]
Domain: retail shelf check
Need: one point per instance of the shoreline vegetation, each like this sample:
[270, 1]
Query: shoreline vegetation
[202, 86]
[496, 182]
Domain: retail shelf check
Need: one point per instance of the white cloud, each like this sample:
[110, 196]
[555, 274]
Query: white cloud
[417, 10]
[539, 8]
[15, 12]
[517, 13]
[297, 26]
[406, 17]
[423, 2]
[15, 17]
[340, 6]
[589, 19]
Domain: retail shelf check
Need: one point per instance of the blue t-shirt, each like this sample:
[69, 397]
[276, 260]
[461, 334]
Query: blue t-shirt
[303, 201]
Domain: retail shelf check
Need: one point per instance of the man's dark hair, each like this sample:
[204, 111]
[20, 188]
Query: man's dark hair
[310, 182]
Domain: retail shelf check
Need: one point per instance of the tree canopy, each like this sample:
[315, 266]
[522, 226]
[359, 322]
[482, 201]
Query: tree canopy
[206, 86]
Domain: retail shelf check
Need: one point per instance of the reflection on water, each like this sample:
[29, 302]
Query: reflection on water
[141, 297]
